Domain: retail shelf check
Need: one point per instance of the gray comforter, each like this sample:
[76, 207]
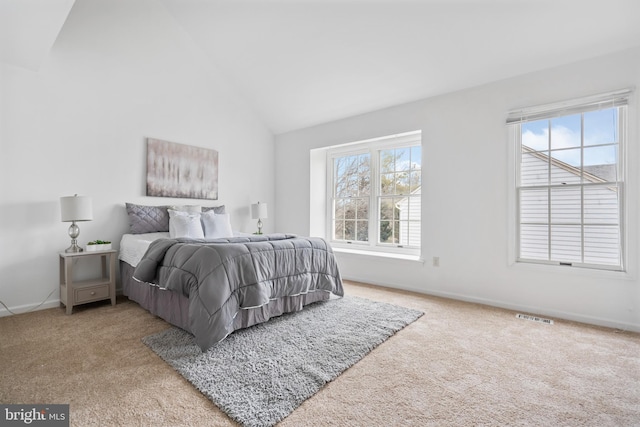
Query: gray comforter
[223, 276]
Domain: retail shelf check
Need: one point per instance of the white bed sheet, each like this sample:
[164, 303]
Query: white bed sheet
[134, 246]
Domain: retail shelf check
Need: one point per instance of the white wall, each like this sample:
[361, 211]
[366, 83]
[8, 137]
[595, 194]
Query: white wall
[466, 162]
[118, 72]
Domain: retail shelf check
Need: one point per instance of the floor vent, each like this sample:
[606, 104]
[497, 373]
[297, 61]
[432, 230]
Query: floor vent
[534, 318]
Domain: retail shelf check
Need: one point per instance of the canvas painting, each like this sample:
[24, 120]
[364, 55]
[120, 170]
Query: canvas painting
[182, 171]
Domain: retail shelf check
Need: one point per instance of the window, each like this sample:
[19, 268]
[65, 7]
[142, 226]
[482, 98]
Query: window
[570, 182]
[375, 194]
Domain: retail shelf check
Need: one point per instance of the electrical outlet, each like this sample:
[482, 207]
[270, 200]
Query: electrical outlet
[436, 261]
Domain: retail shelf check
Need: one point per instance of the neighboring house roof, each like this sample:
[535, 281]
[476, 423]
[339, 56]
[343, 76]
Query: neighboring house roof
[607, 172]
[595, 173]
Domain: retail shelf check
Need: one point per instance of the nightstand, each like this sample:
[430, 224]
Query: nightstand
[74, 293]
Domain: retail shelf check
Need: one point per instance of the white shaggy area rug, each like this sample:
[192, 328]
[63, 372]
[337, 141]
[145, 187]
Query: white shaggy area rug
[259, 375]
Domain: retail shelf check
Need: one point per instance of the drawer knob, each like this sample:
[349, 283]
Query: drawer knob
[93, 292]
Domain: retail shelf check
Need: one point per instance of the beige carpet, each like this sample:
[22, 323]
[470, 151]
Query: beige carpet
[458, 365]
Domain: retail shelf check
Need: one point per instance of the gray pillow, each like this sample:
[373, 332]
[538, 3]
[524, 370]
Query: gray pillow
[147, 219]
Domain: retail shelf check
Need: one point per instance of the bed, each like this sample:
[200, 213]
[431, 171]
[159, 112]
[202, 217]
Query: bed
[212, 285]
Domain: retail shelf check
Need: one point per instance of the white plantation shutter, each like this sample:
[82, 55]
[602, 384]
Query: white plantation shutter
[569, 184]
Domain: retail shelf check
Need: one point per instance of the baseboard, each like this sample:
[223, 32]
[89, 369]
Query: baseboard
[574, 317]
[20, 309]
[35, 307]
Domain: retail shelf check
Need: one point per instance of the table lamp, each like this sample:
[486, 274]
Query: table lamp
[74, 209]
[259, 211]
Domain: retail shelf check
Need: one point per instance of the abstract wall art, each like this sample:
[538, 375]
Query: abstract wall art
[183, 171]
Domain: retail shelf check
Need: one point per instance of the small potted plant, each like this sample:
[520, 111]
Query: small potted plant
[98, 245]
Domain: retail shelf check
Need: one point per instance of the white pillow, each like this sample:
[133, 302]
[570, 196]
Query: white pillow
[184, 224]
[187, 208]
[216, 226]
[180, 210]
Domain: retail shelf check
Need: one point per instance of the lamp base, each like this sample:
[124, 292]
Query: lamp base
[74, 248]
[74, 232]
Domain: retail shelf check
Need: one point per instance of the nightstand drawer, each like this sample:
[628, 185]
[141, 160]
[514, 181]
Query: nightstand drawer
[93, 293]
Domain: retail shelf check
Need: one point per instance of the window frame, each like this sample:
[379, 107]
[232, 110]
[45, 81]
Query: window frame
[515, 120]
[372, 147]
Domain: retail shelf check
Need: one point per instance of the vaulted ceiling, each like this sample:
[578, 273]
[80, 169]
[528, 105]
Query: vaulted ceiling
[299, 63]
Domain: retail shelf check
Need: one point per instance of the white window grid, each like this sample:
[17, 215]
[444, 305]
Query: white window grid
[552, 220]
[372, 147]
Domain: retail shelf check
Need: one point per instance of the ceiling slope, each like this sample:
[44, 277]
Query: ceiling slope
[305, 62]
[28, 29]
[299, 63]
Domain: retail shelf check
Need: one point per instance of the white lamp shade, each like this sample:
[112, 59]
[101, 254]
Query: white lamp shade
[259, 210]
[76, 208]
